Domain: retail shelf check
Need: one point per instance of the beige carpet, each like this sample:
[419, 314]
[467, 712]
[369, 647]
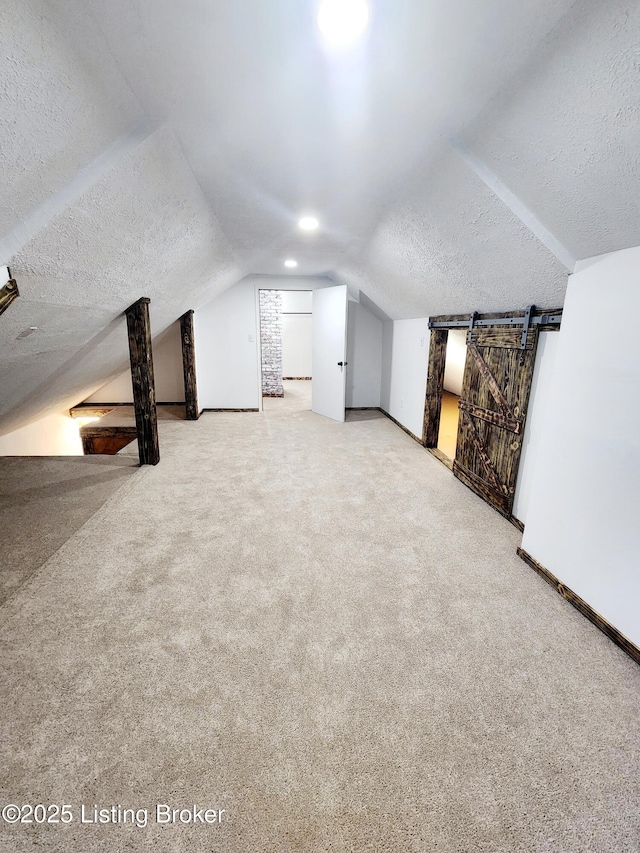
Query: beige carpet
[315, 627]
[44, 500]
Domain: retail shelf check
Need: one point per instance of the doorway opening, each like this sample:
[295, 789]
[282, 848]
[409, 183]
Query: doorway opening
[286, 349]
[455, 359]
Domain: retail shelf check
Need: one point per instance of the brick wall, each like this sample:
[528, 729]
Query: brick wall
[271, 342]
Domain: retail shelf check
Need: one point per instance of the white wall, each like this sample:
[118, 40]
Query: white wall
[405, 360]
[455, 359]
[228, 341]
[228, 350]
[297, 335]
[297, 301]
[119, 390]
[582, 518]
[364, 357]
[167, 370]
[55, 435]
[536, 418]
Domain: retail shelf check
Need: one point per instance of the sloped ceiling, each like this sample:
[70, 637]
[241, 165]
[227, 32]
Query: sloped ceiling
[459, 158]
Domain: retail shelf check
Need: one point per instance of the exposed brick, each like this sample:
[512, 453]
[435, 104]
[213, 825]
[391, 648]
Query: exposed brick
[271, 342]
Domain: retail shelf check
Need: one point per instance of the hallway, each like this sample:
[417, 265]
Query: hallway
[315, 627]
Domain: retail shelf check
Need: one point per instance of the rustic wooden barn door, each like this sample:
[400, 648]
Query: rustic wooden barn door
[493, 407]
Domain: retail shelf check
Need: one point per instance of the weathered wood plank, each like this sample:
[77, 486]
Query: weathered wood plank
[91, 411]
[8, 292]
[501, 336]
[580, 604]
[435, 384]
[144, 394]
[511, 371]
[497, 418]
[110, 446]
[491, 472]
[489, 378]
[106, 440]
[187, 335]
[97, 431]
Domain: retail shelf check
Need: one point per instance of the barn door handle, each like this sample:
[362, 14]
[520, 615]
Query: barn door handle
[343, 363]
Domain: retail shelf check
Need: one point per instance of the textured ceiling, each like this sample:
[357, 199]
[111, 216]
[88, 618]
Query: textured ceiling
[564, 135]
[164, 149]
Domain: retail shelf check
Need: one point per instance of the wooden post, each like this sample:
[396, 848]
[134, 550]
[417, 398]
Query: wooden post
[189, 366]
[144, 392]
[435, 385]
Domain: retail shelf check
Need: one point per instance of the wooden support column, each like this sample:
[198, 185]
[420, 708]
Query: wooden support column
[435, 385]
[144, 392]
[189, 366]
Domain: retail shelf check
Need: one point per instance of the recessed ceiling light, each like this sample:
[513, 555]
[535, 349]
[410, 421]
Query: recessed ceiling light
[341, 22]
[308, 223]
[290, 263]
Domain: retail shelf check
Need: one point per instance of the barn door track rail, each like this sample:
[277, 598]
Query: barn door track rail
[530, 317]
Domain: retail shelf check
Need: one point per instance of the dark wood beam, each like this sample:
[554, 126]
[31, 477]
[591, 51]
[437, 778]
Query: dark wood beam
[187, 335]
[106, 440]
[8, 292]
[144, 392]
[91, 410]
[435, 385]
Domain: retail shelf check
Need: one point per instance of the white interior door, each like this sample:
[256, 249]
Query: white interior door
[329, 351]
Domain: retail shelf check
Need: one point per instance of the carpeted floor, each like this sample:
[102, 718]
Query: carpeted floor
[44, 500]
[316, 628]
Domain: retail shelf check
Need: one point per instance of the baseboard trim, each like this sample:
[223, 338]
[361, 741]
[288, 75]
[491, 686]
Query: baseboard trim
[115, 405]
[441, 457]
[387, 415]
[580, 604]
[229, 410]
[403, 428]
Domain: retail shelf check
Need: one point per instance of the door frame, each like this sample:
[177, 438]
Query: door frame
[259, 286]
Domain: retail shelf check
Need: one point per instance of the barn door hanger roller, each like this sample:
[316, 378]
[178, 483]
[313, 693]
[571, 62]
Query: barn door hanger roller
[472, 321]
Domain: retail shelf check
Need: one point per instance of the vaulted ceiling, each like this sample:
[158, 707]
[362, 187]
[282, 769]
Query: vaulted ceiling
[461, 157]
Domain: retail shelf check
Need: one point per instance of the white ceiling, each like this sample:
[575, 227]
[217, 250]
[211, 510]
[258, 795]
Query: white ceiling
[165, 149]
